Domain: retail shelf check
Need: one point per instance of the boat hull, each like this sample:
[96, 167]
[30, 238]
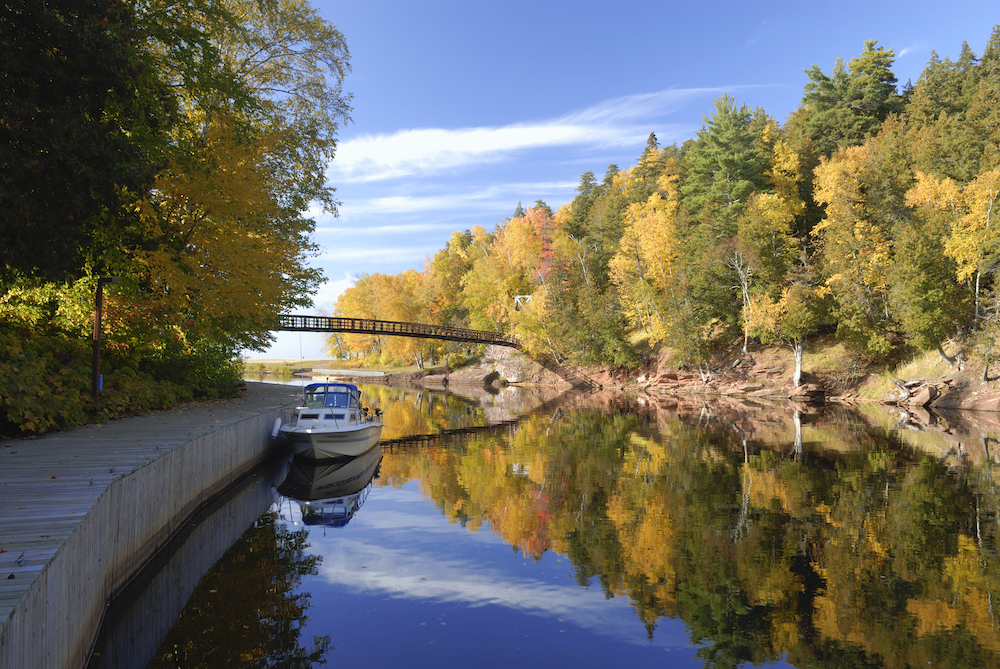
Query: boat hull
[318, 443]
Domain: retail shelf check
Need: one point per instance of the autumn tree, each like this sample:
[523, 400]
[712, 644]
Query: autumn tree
[447, 269]
[863, 189]
[646, 269]
[930, 302]
[389, 297]
[225, 235]
[249, 609]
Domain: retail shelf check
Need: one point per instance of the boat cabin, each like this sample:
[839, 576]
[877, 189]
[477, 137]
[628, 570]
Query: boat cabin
[341, 401]
[343, 395]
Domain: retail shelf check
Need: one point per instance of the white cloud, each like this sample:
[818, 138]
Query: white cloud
[374, 230]
[407, 152]
[342, 253]
[401, 573]
[484, 199]
[641, 106]
[765, 30]
[327, 295]
[426, 150]
[906, 51]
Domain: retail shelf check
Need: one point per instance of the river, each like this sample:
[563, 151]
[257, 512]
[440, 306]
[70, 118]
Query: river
[592, 530]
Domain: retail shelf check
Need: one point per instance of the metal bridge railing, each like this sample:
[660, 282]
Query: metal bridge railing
[368, 326]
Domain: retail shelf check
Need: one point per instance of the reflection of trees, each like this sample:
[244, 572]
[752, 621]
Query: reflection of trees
[244, 612]
[408, 412]
[865, 554]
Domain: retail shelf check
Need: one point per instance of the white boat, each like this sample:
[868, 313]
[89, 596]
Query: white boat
[332, 423]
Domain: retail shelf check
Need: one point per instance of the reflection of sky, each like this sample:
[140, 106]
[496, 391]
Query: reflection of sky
[402, 584]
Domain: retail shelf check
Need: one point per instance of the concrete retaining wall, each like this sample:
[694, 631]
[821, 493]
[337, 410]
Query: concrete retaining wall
[141, 616]
[55, 622]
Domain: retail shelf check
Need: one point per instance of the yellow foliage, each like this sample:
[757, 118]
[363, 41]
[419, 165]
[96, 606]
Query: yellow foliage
[974, 233]
[224, 248]
[934, 193]
[646, 260]
[784, 635]
[979, 617]
[784, 177]
[858, 250]
[835, 624]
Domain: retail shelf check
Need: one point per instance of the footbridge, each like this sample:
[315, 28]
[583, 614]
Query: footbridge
[293, 323]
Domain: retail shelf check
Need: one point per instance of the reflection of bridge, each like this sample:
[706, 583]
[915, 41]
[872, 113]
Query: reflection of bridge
[372, 327]
[447, 437]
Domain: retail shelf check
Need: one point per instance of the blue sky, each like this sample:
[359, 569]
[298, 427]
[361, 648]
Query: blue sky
[462, 109]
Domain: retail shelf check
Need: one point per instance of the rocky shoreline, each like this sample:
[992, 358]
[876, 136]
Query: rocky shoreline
[754, 377]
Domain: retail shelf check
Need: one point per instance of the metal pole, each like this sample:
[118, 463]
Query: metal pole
[98, 308]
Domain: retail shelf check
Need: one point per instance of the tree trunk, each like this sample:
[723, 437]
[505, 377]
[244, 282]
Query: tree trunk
[798, 346]
[975, 317]
[944, 356]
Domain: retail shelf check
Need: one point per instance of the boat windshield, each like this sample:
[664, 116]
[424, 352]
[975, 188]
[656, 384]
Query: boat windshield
[342, 395]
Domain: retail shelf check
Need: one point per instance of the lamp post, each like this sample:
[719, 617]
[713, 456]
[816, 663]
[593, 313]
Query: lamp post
[95, 383]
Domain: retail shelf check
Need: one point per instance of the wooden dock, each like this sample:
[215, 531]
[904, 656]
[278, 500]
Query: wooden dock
[82, 511]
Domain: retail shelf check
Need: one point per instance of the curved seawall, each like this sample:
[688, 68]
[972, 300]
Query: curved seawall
[82, 511]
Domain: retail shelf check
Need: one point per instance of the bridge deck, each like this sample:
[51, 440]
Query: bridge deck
[374, 327]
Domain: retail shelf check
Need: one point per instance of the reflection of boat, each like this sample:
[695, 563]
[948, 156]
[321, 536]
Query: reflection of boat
[331, 422]
[330, 493]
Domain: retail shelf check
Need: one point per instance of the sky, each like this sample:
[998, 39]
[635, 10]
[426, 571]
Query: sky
[461, 109]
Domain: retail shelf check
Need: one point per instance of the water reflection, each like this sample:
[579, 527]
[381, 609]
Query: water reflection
[247, 611]
[329, 493]
[608, 530]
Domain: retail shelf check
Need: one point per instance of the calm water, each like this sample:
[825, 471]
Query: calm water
[595, 531]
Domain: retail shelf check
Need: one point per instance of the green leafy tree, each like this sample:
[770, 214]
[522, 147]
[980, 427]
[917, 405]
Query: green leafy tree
[81, 133]
[848, 105]
[724, 167]
[943, 142]
[863, 188]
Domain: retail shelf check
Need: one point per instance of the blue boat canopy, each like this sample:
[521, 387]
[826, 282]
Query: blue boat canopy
[343, 395]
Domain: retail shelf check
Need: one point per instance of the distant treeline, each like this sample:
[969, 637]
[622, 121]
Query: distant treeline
[871, 211]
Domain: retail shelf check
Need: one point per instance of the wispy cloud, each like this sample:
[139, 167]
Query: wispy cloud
[352, 253]
[401, 573]
[484, 199]
[378, 230]
[330, 292]
[427, 150]
[910, 50]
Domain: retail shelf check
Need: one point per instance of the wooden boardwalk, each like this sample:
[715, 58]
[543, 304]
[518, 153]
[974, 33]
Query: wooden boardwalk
[394, 328]
[52, 487]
